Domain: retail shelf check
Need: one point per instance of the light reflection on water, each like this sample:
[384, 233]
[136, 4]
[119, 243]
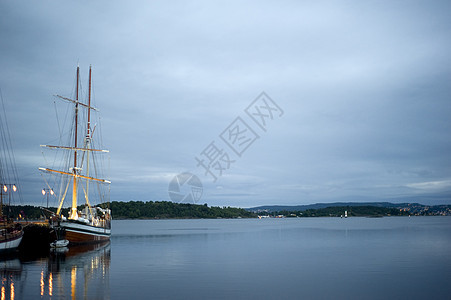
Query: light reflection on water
[354, 258]
[80, 272]
[10, 272]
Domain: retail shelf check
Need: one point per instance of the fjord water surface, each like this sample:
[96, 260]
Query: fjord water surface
[353, 258]
[310, 258]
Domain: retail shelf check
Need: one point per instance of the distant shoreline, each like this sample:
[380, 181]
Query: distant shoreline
[316, 217]
[165, 210]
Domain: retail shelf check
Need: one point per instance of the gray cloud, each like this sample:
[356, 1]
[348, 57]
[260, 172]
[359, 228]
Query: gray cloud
[364, 86]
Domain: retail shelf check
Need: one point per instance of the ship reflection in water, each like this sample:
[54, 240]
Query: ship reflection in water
[80, 272]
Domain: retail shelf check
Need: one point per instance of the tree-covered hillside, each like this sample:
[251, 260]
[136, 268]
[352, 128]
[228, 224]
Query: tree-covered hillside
[165, 209]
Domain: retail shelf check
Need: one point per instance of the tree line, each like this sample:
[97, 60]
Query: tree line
[171, 210]
[142, 210]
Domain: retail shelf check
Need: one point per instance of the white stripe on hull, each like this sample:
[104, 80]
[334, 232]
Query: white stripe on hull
[84, 233]
[85, 227]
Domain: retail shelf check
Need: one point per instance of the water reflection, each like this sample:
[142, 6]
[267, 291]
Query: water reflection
[11, 270]
[80, 272]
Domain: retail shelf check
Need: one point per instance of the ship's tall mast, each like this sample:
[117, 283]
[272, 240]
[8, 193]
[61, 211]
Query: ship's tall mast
[74, 214]
[89, 104]
[88, 139]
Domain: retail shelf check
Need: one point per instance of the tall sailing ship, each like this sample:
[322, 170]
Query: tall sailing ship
[80, 177]
[11, 233]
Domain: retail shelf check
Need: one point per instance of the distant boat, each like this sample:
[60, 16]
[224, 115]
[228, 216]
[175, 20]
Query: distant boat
[11, 233]
[91, 223]
[59, 243]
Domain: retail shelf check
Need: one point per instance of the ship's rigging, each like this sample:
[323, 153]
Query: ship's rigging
[80, 168]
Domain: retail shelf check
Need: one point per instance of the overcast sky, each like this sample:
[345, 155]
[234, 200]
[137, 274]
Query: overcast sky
[363, 91]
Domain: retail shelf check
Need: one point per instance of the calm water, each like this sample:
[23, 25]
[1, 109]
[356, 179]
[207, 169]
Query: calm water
[310, 258]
